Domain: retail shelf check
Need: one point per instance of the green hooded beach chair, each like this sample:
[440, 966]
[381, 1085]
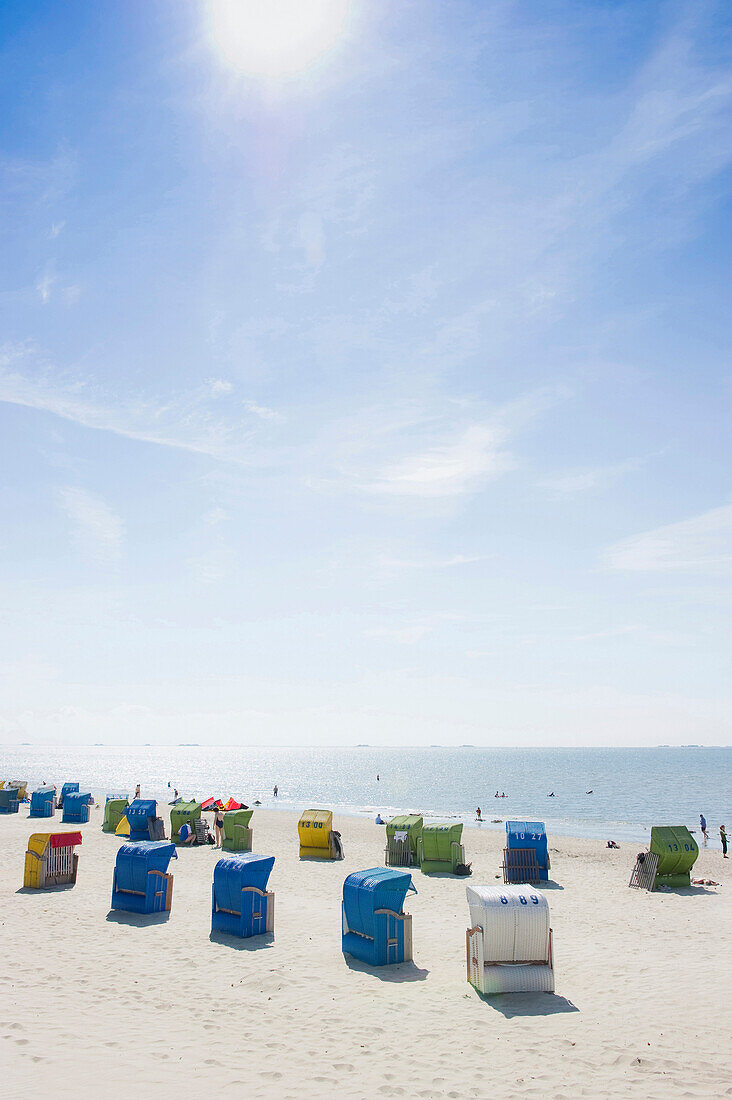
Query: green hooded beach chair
[677, 853]
[183, 811]
[237, 834]
[402, 834]
[114, 811]
[439, 848]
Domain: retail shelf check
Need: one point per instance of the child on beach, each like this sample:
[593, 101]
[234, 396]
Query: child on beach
[723, 838]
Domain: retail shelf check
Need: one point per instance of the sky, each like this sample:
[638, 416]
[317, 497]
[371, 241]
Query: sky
[364, 372]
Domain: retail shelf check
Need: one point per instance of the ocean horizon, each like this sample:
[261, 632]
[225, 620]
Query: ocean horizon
[616, 793]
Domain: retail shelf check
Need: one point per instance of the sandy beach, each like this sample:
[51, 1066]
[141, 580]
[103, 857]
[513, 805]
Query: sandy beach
[97, 1000]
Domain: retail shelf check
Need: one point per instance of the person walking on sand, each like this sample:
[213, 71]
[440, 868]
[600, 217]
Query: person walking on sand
[219, 827]
[276, 790]
[723, 838]
[703, 825]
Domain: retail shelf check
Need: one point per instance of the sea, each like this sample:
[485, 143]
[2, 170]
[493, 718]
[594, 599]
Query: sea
[587, 792]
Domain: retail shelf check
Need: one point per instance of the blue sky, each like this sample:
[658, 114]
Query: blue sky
[378, 392]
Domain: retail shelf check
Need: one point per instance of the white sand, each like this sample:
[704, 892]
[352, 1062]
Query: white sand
[88, 1002]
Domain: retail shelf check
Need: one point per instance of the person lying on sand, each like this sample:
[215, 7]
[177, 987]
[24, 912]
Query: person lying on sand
[612, 844]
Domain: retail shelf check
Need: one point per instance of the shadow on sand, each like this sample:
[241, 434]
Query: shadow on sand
[399, 972]
[46, 889]
[136, 920]
[248, 943]
[528, 1004]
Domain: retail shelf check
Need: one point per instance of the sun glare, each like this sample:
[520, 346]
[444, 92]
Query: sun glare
[276, 37]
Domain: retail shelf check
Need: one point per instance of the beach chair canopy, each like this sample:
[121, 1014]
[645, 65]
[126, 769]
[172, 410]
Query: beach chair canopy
[183, 811]
[233, 873]
[9, 799]
[437, 841]
[139, 811]
[677, 853]
[41, 803]
[529, 834]
[409, 824]
[314, 828]
[22, 786]
[376, 888]
[115, 809]
[76, 799]
[135, 861]
[236, 819]
[515, 922]
[68, 788]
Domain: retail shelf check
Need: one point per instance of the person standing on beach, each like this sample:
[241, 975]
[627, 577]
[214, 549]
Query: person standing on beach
[276, 790]
[219, 827]
[723, 838]
[137, 791]
[703, 824]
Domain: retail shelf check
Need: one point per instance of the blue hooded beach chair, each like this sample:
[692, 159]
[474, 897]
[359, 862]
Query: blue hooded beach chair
[42, 802]
[9, 800]
[526, 855]
[241, 904]
[375, 930]
[68, 788]
[139, 813]
[77, 805]
[141, 883]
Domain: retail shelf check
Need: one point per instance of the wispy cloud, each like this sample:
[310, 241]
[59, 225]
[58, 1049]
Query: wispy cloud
[702, 543]
[96, 529]
[582, 481]
[389, 563]
[450, 468]
[184, 421]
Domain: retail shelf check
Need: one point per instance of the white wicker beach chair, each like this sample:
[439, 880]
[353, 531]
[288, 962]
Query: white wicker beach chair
[509, 946]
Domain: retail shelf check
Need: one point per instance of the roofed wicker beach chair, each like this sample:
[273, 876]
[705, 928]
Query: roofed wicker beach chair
[375, 929]
[142, 821]
[9, 802]
[115, 808]
[241, 904]
[141, 883]
[439, 848]
[67, 788]
[318, 840]
[509, 944]
[526, 855]
[43, 802]
[51, 860]
[190, 812]
[402, 834]
[77, 806]
[668, 862]
[237, 833]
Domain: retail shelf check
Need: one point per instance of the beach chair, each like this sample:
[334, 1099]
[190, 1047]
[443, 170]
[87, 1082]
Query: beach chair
[237, 834]
[42, 802]
[675, 851]
[509, 944]
[77, 806]
[402, 834]
[51, 860]
[22, 787]
[141, 883]
[240, 902]
[115, 809]
[183, 811]
[141, 816]
[375, 928]
[9, 802]
[439, 848]
[68, 788]
[526, 836]
[317, 838]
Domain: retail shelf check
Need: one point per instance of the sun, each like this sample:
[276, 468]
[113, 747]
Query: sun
[276, 38]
